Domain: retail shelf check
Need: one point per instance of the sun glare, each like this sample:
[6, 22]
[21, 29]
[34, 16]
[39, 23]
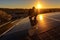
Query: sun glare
[38, 6]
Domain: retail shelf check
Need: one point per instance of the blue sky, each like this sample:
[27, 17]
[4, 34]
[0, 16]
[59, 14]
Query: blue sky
[29, 3]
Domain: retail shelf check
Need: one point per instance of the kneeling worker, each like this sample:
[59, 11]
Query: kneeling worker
[32, 16]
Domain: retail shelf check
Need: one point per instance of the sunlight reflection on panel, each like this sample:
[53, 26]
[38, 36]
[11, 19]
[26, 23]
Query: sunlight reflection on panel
[40, 17]
[42, 25]
[40, 20]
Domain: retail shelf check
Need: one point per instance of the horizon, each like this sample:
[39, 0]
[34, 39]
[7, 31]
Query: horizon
[26, 4]
[29, 8]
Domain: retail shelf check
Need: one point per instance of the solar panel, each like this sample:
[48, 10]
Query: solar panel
[53, 32]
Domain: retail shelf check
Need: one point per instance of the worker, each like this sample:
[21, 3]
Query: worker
[32, 16]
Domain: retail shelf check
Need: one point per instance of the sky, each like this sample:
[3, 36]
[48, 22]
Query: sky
[29, 3]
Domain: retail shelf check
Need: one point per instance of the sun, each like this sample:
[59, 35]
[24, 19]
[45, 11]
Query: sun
[38, 6]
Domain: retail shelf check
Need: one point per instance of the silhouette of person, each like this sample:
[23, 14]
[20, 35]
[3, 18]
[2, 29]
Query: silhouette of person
[32, 16]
